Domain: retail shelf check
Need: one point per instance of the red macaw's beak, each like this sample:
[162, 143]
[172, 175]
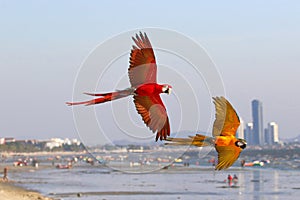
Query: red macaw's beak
[170, 90]
[167, 89]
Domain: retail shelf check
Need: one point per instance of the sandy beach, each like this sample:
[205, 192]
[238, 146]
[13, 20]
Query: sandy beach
[8, 191]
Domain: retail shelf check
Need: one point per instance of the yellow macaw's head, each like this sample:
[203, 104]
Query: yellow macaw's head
[241, 143]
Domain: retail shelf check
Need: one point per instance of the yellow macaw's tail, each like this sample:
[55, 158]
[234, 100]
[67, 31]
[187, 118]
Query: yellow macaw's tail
[198, 140]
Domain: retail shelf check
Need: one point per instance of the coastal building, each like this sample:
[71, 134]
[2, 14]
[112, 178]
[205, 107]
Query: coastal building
[58, 142]
[54, 142]
[7, 140]
[257, 117]
[76, 142]
[273, 132]
[268, 138]
[240, 130]
[249, 133]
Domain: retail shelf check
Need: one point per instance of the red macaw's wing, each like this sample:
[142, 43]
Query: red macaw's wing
[227, 120]
[227, 155]
[154, 114]
[142, 67]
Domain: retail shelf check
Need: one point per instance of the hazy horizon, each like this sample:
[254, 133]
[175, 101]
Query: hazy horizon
[254, 45]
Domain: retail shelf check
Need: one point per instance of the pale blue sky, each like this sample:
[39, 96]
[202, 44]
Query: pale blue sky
[255, 46]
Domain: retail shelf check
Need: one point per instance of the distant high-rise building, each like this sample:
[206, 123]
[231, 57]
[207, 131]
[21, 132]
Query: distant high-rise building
[249, 133]
[273, 132]
[258, 129]
[269, 135]
[240, 130]
[268, 138]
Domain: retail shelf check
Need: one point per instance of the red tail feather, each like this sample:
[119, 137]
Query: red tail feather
[105, 97]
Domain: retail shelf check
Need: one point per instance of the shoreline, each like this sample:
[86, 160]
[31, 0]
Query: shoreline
[9, 191]
[12, 190]
[42, 153]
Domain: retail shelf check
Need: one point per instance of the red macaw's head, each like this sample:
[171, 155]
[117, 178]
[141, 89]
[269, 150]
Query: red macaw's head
[167, 88]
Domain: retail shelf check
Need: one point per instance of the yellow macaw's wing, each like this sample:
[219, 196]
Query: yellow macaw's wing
[227, 155]
[227, 121]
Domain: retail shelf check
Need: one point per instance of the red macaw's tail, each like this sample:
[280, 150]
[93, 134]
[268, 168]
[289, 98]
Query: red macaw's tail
[198, 140]
[104, 97]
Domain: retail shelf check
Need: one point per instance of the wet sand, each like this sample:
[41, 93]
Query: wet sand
[9, 191]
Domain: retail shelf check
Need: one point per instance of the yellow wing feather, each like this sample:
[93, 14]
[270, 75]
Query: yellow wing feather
[227, 155]
[227, 120]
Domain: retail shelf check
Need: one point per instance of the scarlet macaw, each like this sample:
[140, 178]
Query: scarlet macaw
[224, 140]
[142, 73]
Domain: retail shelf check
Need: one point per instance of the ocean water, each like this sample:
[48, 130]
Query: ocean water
[97, 182]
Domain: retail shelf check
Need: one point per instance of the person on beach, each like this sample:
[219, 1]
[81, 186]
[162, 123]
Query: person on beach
[5, 178]
[235, 179]
[229, 179]
[243, 163]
